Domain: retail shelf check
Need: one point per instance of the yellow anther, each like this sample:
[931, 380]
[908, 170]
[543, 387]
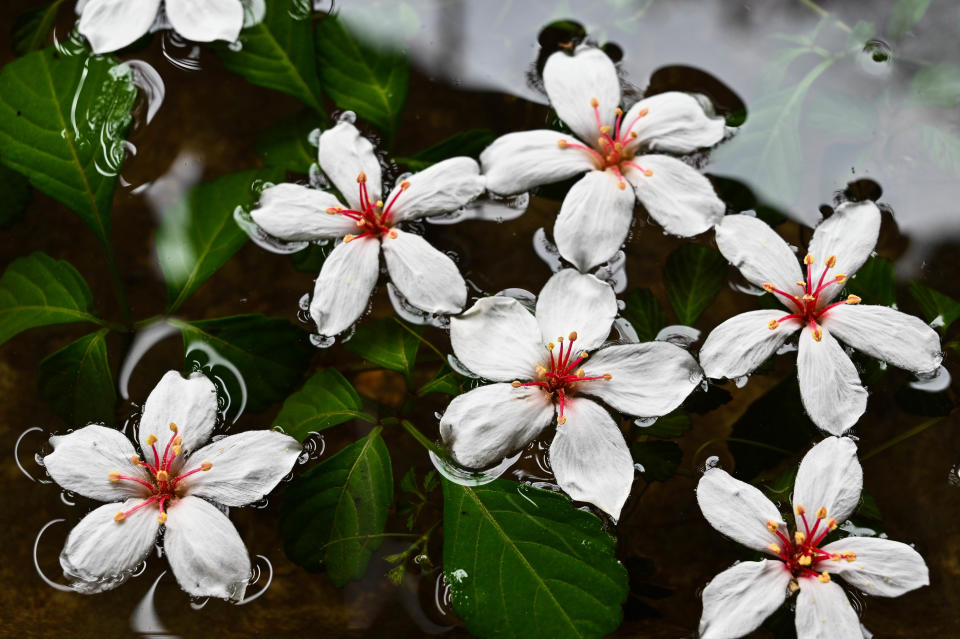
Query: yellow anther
[643, 112]
[594, 102]
[804, 560]
[176, 451]
[801, 510]
[809, 298]
[808, 260]
[135, 460]
[606, 128]
[835, 556]
[801, 284]
[601, 141]
[853, 299]
[824, 577]
[379, 204]
[206, 466]
[793, 586]
[178, 440]
[348, 238]
[618, 111]
[151, 439]
[173, 427]
[772, 526]
[799, 538]
[580, 372]
[617, 146]
[831, 524]
[120, 516]
[607, 376]
[361, 178]
[163, 475]
[550, 346]
[162, 518]
[361, 223]
[831, 261]
[774, 548]
[584, 355]
[633, 135]
[541, 371]
[648, 173]
[621, 185]
[405, 185]
[840, 278]
[818, 334]
[572, 336]
[562, 144]
[849, 556]
[822, 512]
[560, 339]
[392, 234]
[562, 419]
[114, 476]
[773, 324]
[516, 384]
[333, 210]
[769, 287]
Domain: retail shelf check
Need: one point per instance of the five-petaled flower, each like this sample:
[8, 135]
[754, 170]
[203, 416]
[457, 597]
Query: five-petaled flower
[829, 383]
[542, 366]
[427, 278]
[113, 24]
[169, 485]
[826, 492]
[614, 151]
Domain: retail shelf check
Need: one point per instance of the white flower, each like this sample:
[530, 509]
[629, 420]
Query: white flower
[829, 383]
[170, 485]
[827, 491]
[500, 340]
[427, 278]
[113, 24]
[595, 216]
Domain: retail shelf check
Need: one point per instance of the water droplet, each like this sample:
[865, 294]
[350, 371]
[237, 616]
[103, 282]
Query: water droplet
[322, 341]
[741, 381]
[936, 382]
[711, 462]
[645, 422]
[347, 116]
[682, 336]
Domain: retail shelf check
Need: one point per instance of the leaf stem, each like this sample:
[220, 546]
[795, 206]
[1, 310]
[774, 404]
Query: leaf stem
[916, 430]
[422, 339]
[823, 13]
[423, 439]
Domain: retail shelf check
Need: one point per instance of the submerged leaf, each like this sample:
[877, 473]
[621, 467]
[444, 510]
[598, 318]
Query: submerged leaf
[286, 144]
[76, 382]
[938, 309]
[693, 276]
[643, 312]
[446, 381]
[388, 344]
[875, 282]
[31, 29]
[659, 459]
[327, 399]
[14, 193]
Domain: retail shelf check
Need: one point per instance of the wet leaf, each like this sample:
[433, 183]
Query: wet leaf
[32, 29]
[311, 259]
[466, 143]
[362, 77]
[904, 16]
[936, 86]
[258, 359]
[76, 383]
[644, 313]
[63, 120]
[38, 291]
[333, 516]
[874, 283]
[659, 459]
[286, 144]
[388, 344]
[327, 399]
[278, 54]
[693, 276]
[938, 308]
[670, 425]
[199, 234]
[779, 486]
[14, 193]
[446, 381]
[523, 562]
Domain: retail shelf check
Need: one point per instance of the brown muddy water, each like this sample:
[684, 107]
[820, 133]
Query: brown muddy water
[471, 66]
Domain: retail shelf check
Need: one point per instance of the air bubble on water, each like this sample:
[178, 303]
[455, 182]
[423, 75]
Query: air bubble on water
[936, 382]
[322, 341]
[626, 334]
[683, 336]
[741, 381]
[645, 422]
[263, 239]
[411, 313]
[313, 447]
[639, 468]
[711, 462]
[614, 272]
[882, 364]
[546, 250]
[876, 58]
[347, 116]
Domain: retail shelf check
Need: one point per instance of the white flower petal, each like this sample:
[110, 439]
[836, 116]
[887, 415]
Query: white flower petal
[759, 252]
[572, 81]
[100, 552]
[739, 345]
[851, 235]
[648, 380]
[254, 11]
[594, 219]
[824, 612]
[676, 195]
[883, 568]
[246, 466]
[498, 339]
[891, 336]
[738, 600]
[517, 162]
[344, 286]
[737, 509]
[113, 24]
[675, 122]
[190, 403]
[571, 301]
[82, 461]
[484, 425]
[830, 476]
[206, 20]
[343, 155]
[205, 551]
[295, 212]
[427, 278]
[589, 457]
[829, 383]
[446, 186]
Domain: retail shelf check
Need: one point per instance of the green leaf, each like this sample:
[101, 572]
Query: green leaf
[76, 382]
[199, 234]
[937, 86]
[643, 312]
[670, 425]
[333, 516]
[260, 359]
[693, 276]
[327, 399]
[446, 381]
[31, 29]
[904, 16]
[659, 459]
[523, 562]
[387, 343]
[938, 309]
[875, 282]
[14, 193]
[286, 144]
[278, 54]
[362, 77]
[465, 143]
[39, 291]
[63, 120]
[779, 486]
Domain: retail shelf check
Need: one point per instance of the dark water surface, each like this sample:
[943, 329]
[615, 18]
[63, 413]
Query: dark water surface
[472, 63]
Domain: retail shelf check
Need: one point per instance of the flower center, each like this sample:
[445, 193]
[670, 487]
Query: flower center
[372, 218]
[162, 487]
[562, 375]
[613, 150]
[807, 302]
[802, 556]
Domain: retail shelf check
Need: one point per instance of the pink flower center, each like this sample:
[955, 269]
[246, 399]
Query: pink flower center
[802, 555]
[806, 303]
[613, 149]
[163, 488]
[373, 219]
[563, 375]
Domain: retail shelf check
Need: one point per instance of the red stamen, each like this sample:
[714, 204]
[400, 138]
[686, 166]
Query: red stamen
[563, 144]
[117, 477]
[141, 505]
[646, 172]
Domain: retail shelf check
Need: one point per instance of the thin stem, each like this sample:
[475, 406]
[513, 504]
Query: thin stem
[422, 339]
[365, 537]
[916, 430]
[424, 441]
[823, 13]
